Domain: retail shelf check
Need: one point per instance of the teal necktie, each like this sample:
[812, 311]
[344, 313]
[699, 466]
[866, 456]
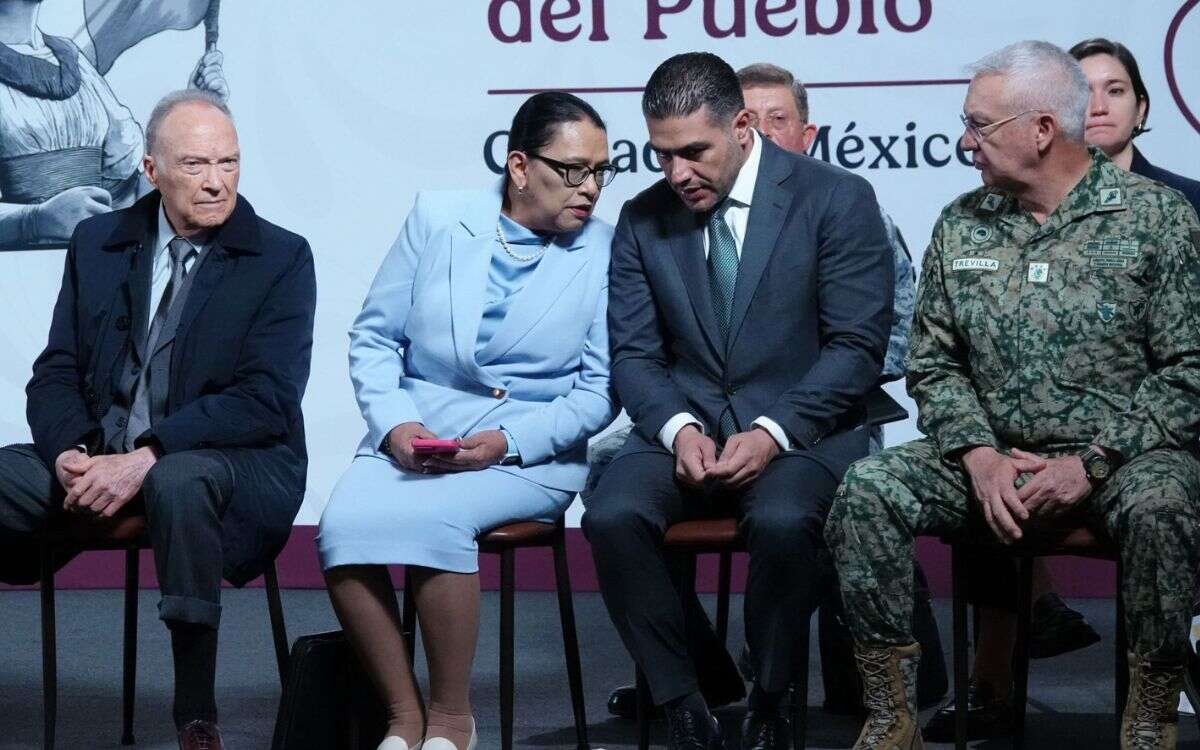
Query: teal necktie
[723, 264]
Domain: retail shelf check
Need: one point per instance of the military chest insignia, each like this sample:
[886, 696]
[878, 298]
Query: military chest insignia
[981, 234]
[1039, 273]
[1111, 252]
[1106, 310]
[1110, 197]
[992, 202]
[975, 264]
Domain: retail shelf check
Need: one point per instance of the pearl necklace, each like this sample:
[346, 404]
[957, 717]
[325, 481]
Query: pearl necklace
[519, 258]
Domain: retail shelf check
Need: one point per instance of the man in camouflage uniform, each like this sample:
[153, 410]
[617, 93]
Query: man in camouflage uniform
[1055, 337]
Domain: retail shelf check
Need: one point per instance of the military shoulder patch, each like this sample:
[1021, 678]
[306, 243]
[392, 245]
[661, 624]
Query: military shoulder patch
[1110, 197]
[992, 202]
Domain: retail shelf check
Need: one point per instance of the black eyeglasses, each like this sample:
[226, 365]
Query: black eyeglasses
[576, 174]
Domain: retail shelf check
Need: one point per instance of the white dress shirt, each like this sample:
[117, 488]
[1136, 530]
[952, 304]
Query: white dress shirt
[737, 216]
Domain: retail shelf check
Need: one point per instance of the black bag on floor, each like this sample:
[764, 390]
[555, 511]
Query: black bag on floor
[327, 703]
[843, 686]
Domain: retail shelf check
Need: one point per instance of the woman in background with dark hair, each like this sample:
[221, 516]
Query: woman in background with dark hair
[485, 326]
[1119, 107]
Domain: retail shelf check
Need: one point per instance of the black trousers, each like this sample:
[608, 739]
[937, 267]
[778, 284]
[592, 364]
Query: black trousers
[781, 515]
[184, 496]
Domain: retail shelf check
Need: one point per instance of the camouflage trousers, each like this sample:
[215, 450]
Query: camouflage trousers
[1151, 506]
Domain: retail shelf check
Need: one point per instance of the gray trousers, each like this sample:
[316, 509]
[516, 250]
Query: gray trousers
[184, 497]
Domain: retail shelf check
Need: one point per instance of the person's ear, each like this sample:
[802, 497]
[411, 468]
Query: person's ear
[518, 170]
[149, 169]
[808, 134]
[741, 126]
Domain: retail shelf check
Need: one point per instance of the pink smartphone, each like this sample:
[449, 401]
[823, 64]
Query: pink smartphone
[427, 446]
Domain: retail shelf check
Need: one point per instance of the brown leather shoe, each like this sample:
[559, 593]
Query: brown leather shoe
[200, 735]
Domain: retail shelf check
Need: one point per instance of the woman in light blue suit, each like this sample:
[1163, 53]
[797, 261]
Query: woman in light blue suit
[486, 324]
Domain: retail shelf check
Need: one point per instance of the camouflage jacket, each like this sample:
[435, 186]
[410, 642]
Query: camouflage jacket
[1081, 330]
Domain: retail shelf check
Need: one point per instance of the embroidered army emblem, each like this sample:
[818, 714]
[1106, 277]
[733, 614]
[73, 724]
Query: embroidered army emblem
[981, 234]
[1039, 273]
[1110, 197]
[1137, 308]
[992, 202]
[1106, 310]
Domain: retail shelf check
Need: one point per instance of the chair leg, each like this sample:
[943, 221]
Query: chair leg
[643, 711]
[723, 581]
[958, 578]
[566, 613]
[800, 691]
[49, 650]
[129, 687]
[278, 626]
[1121, 645]
[408, 617]
[1021, 653]
[507, 618]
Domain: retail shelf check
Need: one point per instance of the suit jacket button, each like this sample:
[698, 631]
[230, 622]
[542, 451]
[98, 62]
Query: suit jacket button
[499, 393]
[121, 422]
[123, 323]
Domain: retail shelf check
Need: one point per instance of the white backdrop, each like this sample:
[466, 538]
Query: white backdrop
[345, 110]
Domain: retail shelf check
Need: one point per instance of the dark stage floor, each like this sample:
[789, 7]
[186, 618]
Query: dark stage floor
[1071, 706]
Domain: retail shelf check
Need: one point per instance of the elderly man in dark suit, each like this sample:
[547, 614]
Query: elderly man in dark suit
[171, 385]
[749, 309]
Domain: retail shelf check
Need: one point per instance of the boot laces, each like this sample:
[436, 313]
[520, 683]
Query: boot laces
[1154, 697]
[878, 698]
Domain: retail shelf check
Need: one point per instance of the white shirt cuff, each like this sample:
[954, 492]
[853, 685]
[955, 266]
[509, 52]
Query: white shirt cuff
[771, 426]
[667, 434]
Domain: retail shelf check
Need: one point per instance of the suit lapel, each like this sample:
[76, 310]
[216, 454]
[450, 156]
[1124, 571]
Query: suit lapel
[554, 273]
[137, 295]
[768, 212]
[684, 229]
[470, 258]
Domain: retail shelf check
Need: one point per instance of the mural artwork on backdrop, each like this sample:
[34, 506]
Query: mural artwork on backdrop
[69, 148]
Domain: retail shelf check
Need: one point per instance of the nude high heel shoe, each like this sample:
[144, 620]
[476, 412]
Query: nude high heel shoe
[441, 743]
[396, 743]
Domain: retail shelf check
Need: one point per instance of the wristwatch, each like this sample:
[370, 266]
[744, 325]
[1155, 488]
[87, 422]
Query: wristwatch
[1096, 465]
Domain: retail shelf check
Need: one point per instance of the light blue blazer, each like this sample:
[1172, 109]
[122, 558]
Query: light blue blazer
[544, 374]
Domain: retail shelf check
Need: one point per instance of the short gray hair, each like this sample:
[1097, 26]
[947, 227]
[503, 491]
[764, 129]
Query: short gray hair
[175, 99]
[766, 74]
[1042, 77]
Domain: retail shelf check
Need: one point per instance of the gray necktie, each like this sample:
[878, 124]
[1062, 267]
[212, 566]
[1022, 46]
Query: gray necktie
[139, 412]
[723, 265]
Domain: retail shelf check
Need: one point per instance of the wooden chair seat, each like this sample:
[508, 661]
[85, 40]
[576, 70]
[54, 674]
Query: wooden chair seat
[90, 533]
[516, 535]
[705, 535]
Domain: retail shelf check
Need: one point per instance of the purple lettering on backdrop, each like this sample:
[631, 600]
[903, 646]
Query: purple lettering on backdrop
[549, 16]
[762, 16]
[893, 16]
[655, 10]
[813, 23]
[525, 25]
[599, 33]
[868, 18]
[738, 28]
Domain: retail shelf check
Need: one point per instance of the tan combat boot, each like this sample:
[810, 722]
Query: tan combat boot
[889, 675]
[1151, 718]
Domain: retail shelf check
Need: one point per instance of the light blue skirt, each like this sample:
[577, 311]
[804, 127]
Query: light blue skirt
[380, 514]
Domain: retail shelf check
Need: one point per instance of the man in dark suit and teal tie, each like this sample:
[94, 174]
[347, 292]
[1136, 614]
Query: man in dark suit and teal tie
[749, 310]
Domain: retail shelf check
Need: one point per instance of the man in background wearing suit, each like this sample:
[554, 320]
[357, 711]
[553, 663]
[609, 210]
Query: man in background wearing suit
[749, 310]
[171, 385]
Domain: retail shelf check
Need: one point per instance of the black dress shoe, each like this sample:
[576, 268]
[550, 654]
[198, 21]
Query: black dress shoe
[766, 730]
[1057, 629]
[622, 701]
[987, 716]
[693, 730]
